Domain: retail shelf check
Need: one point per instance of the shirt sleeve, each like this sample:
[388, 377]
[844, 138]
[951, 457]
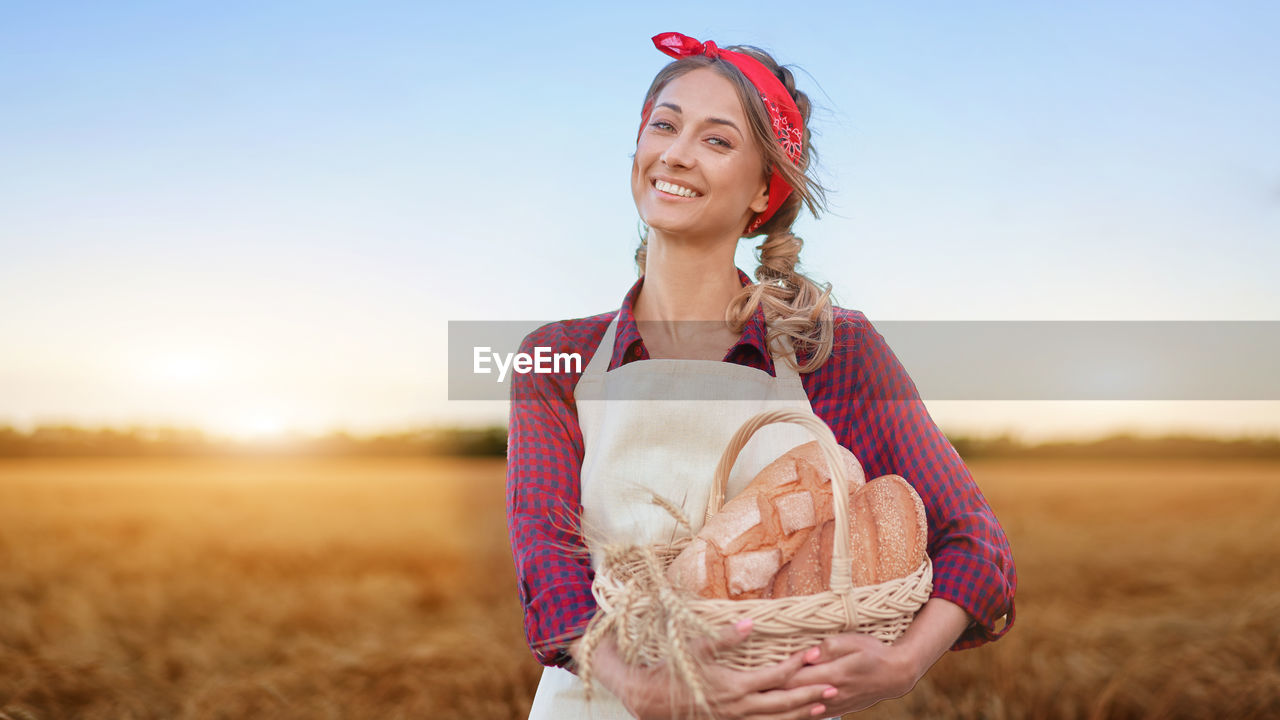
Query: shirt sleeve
[544, 462]
[972, 561]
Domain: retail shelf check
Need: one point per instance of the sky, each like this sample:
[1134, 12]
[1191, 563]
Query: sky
[259, 217]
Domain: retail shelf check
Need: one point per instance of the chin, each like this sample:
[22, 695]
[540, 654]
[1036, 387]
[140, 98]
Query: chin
[664, 223]
[691, 229]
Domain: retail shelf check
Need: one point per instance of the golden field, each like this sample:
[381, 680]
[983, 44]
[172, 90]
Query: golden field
[383, 588]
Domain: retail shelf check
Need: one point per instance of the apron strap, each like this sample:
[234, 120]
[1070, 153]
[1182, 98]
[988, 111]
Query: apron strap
[599, 362]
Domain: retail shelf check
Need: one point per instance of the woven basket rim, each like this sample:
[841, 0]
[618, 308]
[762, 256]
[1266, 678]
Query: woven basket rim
[786, 624]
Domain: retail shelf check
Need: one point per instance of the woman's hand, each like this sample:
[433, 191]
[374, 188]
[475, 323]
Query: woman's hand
[862, 668]
[866, 670]
[651, 693]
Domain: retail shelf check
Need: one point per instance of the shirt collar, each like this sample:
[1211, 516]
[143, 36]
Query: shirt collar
[628, 346]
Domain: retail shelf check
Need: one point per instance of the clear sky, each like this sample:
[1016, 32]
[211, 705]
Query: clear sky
[253, 216]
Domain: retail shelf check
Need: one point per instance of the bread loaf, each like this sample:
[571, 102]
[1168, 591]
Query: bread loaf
[888, 538]
[740, 551]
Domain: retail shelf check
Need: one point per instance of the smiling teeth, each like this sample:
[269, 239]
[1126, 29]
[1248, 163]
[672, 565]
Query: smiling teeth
[667, 187]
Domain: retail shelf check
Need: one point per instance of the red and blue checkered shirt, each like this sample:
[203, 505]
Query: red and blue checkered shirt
[862, 392]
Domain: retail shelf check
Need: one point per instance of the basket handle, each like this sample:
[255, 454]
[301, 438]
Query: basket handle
[841, 561]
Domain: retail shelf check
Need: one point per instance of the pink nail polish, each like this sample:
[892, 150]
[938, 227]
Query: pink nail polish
[830, 693]
[812, 655]
[744, 624]
[818, 710]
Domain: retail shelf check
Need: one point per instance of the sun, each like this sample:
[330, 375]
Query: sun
[255, 426]
[178, 368]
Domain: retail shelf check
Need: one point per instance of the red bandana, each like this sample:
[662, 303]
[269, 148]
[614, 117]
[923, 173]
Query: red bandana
[788, 126]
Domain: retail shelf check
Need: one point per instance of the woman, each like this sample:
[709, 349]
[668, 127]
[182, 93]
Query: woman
[697, 348]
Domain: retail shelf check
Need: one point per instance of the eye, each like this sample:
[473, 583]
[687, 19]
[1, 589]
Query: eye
[661, 125]
[717, 140]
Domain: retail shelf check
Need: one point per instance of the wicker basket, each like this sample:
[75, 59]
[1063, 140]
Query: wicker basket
[642, 611]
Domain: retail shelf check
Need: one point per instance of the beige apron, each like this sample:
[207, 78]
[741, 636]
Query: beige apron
[667, 444]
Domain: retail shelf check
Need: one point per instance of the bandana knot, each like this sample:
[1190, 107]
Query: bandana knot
[678, 46]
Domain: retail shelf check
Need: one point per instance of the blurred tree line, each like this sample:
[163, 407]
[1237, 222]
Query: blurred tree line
[1122, 446]
[73, 441]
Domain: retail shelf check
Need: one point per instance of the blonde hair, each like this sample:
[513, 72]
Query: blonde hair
[794, 305]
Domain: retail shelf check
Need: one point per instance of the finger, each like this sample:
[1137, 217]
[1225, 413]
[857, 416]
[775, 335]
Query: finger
[789, 702]
[734, 635]
[774, 676]
[840, 645]
[808, 711]
[727, 638]
[825, 674]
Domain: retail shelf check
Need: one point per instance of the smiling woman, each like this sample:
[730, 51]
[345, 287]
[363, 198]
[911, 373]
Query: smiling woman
[722, 154]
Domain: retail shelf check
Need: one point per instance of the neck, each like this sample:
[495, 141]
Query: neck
[686, 281]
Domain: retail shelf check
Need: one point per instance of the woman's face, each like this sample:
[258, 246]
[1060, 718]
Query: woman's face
[697, 169]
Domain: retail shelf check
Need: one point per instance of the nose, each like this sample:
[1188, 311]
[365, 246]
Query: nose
[679, 152]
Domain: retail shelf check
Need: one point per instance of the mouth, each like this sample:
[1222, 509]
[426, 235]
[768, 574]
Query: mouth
[672, 189]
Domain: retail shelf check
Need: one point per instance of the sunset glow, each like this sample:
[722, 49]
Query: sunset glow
[254, 427]
[179, 368]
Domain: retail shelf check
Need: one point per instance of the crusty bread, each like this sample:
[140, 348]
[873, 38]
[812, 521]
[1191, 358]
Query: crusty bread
[888, 538]
[740, 550]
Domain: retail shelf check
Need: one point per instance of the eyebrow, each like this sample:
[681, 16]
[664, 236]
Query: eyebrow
[716, 120]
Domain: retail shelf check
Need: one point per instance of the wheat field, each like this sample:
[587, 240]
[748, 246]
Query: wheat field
[383, 588]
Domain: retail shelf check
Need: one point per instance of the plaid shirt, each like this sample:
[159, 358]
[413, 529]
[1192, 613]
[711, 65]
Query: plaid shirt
[862, 392]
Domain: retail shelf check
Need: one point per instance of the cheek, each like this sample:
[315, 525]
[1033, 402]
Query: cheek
[635, 174]
[647, 153]
[638, 183]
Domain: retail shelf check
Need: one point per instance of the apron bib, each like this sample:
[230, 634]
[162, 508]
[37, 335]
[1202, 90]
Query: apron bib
[664, 444]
